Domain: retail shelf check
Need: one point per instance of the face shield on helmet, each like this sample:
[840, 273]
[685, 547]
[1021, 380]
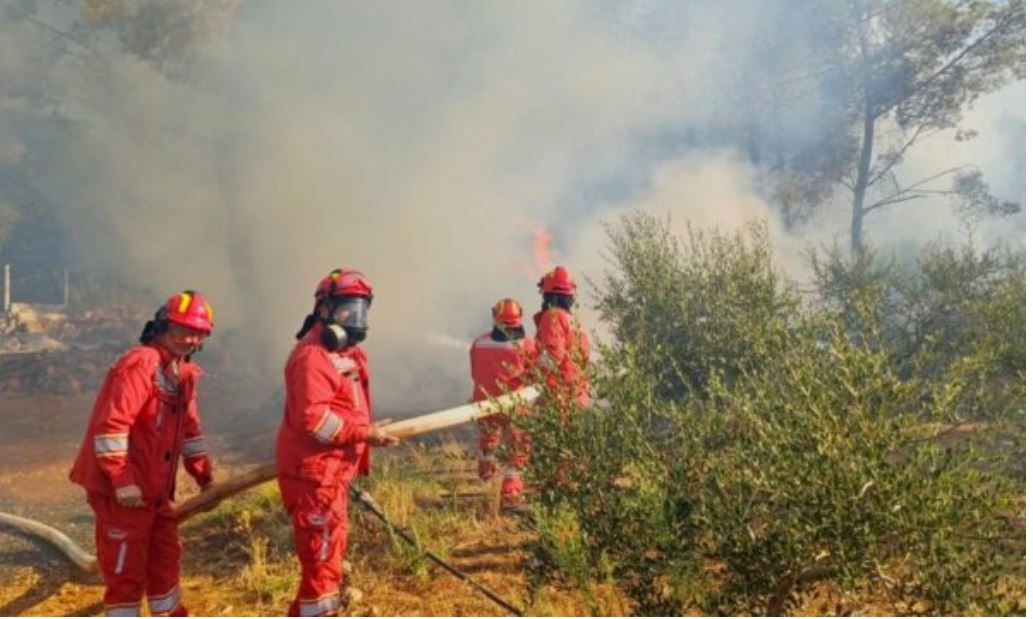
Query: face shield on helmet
[347, 322]
[351, 312]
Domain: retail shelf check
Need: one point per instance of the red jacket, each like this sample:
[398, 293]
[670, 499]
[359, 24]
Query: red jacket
[499, 367]
[326, 414]
[141, 424]
[562, 351]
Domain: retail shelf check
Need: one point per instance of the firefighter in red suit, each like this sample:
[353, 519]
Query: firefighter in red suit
[325, 435]
[144, 420]
[499, 363]
[562, 346]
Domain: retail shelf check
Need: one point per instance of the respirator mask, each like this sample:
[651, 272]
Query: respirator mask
[347, 323]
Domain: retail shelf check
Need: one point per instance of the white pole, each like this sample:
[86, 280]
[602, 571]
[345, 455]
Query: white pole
[7, 288]
[65, 303]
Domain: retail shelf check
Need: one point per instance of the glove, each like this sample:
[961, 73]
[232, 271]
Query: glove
[376, 437]
[129, 496]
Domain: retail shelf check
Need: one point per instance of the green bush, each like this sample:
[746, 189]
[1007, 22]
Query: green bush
[708, 303]
[951, 302]
[794, 443]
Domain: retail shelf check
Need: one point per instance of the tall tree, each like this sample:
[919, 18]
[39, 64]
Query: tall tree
[836, 93]
[42, 42]
[787, 112]
[912, 68]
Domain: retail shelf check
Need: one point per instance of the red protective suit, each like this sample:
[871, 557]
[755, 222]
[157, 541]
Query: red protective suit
[320, 448]
[498, 368]
[143, 421]
[562, 353]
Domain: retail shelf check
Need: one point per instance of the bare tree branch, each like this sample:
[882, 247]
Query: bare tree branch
[61, 34]
[899, 155]
[912, 191]
[894, 200]
[929, 179]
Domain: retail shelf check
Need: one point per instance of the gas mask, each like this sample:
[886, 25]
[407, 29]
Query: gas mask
[347, 323]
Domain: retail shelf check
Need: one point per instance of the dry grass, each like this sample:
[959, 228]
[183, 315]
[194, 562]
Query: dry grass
[239, 559]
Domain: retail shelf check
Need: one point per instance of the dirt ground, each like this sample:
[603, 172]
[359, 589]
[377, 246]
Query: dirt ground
[227, 569]
[40, 435]
[39, 439]
[221, 573]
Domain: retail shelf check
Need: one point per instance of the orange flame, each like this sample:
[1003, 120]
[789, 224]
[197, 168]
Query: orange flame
[542, 259]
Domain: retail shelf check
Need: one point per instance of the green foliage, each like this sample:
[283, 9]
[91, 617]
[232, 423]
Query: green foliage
[953, 302]
[835, 443]
[689, 308]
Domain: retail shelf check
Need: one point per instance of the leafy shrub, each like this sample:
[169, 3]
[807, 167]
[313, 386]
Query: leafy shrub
[726, 471]
[708, 303]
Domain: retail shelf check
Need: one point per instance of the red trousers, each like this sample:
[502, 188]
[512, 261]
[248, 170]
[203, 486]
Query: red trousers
[496, 431]
[320, 517]
[138, 550]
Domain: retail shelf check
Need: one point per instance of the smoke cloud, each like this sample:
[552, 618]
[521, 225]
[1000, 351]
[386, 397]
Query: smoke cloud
[426, 144]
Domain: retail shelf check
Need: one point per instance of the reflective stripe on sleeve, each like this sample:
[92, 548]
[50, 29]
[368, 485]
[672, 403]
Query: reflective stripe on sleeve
[123, 610]
[194, 447]
[110, 444]
[487, 342]
[328, 427]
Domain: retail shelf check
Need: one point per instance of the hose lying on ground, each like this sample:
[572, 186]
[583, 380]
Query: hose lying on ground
[364, 499]
[78, 556]
[407, 428]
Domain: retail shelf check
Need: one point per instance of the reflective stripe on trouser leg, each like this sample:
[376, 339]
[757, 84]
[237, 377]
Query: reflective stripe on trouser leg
[122, 610]
[326, 605]
[165, 550]
[121, 538]
[320, 521]
[164, 604]
[512, 484]
[489, 434]
[120, 557]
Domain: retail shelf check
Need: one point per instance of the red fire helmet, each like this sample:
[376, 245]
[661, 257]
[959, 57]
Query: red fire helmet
[558, 281]
[507, 313]
[190, 309]
[344, 282]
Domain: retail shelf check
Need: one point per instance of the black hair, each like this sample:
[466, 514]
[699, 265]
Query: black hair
[556, 299]
[310, 321]
[155, 327]
[507, 334]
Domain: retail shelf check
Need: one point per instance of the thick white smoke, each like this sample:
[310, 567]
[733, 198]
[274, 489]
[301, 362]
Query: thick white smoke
[423, 143]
